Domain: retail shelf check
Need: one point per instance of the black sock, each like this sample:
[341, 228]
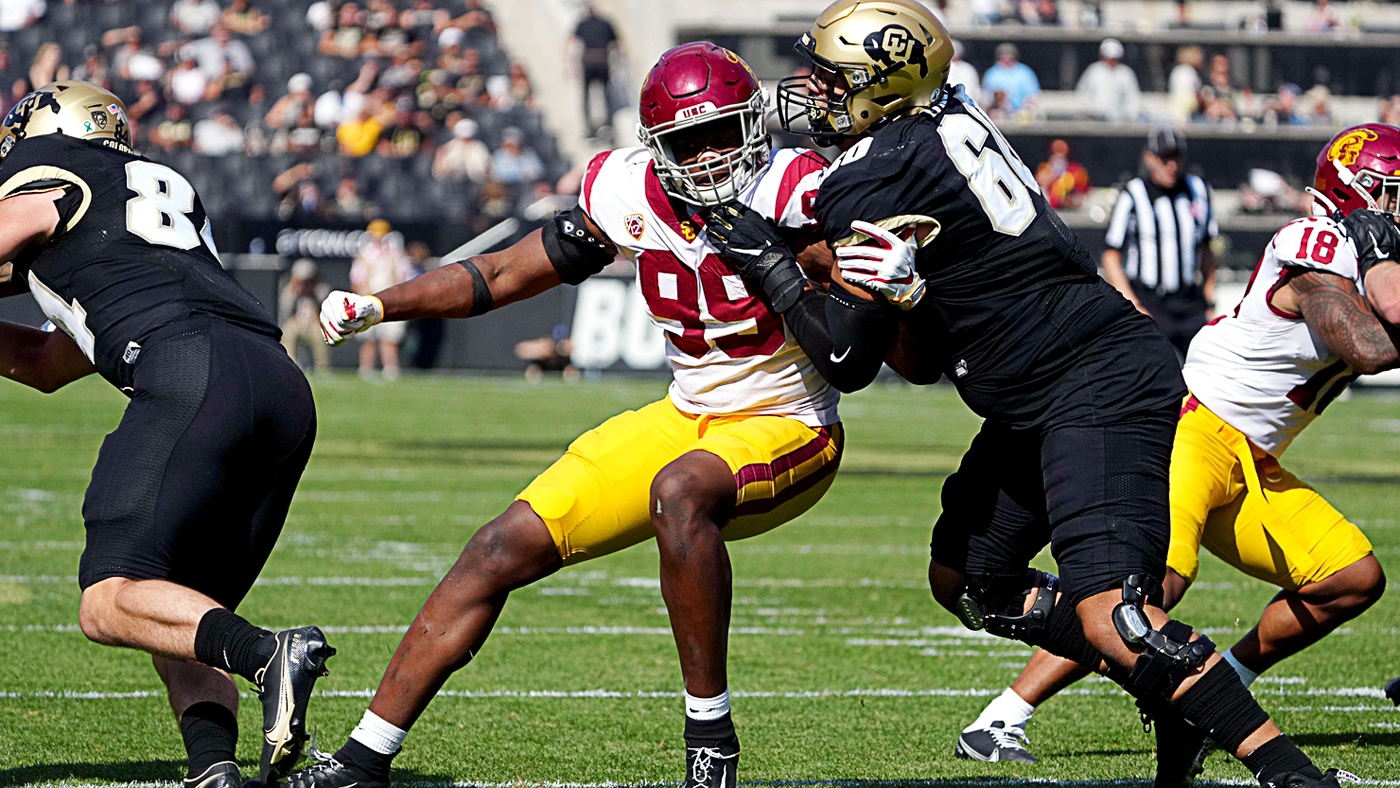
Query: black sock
[210, 731]
[1279, 756]
[710, 732]
[1220, 705]
[375, 764]
[225, 640]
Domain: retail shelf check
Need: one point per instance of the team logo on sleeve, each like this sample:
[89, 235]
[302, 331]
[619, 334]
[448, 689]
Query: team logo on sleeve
[1348, 146]
[893, 46]
[635, 224]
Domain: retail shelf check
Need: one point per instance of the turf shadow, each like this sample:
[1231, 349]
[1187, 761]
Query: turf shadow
[1367, 739]
[121, 771]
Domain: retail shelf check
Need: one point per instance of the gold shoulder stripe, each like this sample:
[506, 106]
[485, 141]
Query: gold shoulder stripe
[896, 223]
[15, 185]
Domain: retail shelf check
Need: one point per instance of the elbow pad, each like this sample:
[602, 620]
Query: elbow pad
[573, 251]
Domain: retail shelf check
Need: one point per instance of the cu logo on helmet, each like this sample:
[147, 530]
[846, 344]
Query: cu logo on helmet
[894, 45]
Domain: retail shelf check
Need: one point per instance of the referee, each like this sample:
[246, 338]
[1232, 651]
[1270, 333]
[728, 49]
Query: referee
[1158, 241]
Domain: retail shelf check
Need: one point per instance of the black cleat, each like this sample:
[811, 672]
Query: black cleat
[286, 685]
[1392, 690]
[1333, 778]
[1181, 751]
[223, 774]
[331, 773]
[997, 742]
[712, 767]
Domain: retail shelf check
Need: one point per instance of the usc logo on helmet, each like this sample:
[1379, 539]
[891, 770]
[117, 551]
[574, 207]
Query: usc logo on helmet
[1347, 147]
[893, 45]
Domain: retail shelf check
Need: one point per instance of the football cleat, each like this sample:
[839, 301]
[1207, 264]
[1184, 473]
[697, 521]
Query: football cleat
[285, 689]
[1181, 752]
[1392, 690]
[331, 773]
[994, 743]
[712, 767]
[223, 774]
[1332, 778]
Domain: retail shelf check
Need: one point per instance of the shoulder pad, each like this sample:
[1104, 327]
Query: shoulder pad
[1317, 243]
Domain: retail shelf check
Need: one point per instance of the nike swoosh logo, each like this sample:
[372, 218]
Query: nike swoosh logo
[842, 357]
[1377, 245]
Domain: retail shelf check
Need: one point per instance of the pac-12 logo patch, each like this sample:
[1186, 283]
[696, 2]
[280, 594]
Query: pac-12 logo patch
[895, 44]
[635, 224]
[100, 118]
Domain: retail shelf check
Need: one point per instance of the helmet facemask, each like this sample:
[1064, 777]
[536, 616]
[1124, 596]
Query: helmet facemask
[818, 104]
[1381, 192]
[729, 146]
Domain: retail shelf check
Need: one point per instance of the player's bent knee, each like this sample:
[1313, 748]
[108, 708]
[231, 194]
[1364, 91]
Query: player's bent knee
[1167, 656]
[947, 584]
[691, 493]
[1353, 588]
[512, 550]
[97, 607]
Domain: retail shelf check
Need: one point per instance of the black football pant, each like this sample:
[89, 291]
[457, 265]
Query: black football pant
[194, 484]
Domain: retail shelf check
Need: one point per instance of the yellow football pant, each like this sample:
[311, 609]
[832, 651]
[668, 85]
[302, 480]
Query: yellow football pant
[596, 498]
[1237, 501]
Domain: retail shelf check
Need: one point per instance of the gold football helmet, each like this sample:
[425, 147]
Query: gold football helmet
[77, 109]
[871, 60]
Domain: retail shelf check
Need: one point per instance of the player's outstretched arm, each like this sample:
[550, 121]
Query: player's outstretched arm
[1336, 310]
[567, 250]
[44, 360]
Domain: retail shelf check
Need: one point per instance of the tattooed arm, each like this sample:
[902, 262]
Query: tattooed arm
[1338, 313]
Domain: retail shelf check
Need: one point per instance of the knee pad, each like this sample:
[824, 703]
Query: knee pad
[1168, 655]
[998, 605]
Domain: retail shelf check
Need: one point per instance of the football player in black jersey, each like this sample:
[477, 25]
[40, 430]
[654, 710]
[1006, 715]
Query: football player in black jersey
[929, 207]
[191, 490]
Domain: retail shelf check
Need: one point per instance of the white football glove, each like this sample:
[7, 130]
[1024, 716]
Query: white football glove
[886, 268]
[343, 314]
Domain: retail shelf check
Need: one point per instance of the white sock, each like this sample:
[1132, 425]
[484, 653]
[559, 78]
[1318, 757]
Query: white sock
[1008, 707]
[705, 709]
[1246, 675]
[378, 735]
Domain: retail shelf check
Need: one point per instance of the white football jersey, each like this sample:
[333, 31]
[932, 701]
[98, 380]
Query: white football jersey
[1261, 369]
[729, 352]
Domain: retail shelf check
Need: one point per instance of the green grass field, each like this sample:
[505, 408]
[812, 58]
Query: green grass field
[843, 667]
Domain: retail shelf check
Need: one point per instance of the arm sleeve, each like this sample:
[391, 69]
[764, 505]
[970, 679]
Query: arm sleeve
[845, 338]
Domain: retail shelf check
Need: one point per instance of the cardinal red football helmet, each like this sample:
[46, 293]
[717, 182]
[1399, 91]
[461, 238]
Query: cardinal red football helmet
[1360, 168]
[701, 104]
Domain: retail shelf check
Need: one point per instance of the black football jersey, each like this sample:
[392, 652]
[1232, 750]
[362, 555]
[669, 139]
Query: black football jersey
[1033, 334]
[133, 252]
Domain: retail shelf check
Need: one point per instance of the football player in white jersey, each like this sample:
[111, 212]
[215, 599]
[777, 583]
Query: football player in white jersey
[748, 439]
[1303, 331]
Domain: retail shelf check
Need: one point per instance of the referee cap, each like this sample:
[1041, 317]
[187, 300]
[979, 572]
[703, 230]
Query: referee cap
[1166, 141]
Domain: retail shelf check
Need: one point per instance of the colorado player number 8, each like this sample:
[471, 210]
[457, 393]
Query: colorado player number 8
[157, 212]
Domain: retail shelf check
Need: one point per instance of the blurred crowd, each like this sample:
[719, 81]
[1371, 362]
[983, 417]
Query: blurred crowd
[426, 78]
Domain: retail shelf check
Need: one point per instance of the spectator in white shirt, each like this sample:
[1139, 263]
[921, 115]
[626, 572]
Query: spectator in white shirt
[218, 135]
[220, 56]
[1110, 87]
[188, 85]
[19, 14]
[961, 72]
[464, 157]
[1184, 84]
[194, 17]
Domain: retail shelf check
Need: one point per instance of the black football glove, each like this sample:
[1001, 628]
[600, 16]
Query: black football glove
[753, 246]
[1376, 236]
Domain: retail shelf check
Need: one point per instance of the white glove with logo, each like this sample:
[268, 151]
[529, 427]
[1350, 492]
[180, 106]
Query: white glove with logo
[343, 314]
[886, 268]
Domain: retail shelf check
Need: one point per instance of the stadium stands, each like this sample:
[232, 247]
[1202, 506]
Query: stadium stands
[237, 111]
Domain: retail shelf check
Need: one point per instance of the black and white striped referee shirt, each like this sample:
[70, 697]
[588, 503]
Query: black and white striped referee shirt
[1159, 231]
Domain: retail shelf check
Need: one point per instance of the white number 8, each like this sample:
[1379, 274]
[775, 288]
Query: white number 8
[157, 213]
[1003, 187]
